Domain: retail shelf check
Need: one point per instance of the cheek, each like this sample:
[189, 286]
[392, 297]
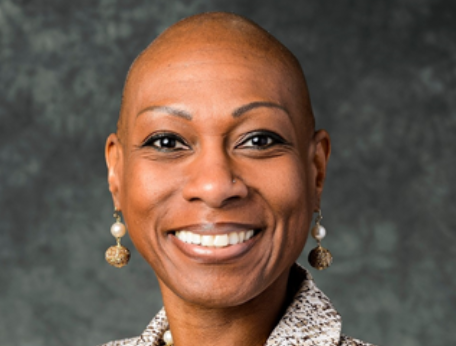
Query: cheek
[138, 192]
[285, 186]
[145, 189]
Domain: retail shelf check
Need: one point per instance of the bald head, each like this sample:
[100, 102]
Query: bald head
[208, 33]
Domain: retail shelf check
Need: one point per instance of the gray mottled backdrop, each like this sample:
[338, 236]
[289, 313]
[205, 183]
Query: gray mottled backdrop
[382, 76]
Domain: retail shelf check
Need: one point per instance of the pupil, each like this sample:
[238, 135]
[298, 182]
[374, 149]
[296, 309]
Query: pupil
[168, 142]
[260, 140]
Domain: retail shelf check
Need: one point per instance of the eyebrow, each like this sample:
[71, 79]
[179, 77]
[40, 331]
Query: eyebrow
[167, 109]
[248, 107]
[236, 113]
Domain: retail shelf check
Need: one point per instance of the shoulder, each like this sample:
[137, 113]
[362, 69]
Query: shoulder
[123, 342]
[348, 341]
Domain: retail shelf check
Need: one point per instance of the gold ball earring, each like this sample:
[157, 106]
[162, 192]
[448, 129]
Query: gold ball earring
[117, 255]
[319, 258]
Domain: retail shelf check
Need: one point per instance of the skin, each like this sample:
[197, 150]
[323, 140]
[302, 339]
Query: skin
[214, 86]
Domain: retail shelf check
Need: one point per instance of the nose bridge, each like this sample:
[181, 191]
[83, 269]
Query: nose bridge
[212, 167]
[210, 177]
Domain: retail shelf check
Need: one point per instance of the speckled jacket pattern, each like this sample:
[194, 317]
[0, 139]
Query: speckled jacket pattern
[310, 320]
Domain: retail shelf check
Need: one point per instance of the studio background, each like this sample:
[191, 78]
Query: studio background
[382, 77]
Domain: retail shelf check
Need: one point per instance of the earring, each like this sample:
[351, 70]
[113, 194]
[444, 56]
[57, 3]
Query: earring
[319, 258]
[117, 255]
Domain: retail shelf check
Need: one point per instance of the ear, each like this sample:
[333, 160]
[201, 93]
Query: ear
[114, 161]
[321, 152]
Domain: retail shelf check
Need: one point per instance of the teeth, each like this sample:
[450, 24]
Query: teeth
[207, 240]
[233, 238]
[196, 238]
[219, 240]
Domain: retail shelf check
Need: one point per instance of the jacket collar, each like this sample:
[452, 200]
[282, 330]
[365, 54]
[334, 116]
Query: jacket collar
[310, 319]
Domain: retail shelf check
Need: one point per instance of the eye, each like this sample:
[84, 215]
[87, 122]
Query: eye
[261, 140]
[166, 142]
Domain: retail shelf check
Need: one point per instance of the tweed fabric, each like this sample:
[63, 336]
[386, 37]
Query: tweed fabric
[310, 320]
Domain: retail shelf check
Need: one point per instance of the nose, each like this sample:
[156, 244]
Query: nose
[210, 179]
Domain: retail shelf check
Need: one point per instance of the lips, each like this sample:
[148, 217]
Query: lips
[215, 243]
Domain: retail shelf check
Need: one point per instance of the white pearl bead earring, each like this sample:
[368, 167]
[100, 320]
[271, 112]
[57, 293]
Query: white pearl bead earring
[117, 255]
[319, 258]
[168, 338]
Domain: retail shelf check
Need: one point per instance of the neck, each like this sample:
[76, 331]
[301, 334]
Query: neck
[250, 323]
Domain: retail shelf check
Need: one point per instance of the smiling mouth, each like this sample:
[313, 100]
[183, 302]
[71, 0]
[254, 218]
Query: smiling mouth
[215, 240]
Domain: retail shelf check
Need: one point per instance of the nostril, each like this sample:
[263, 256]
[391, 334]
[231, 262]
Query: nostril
[215, 188]
[233, 198]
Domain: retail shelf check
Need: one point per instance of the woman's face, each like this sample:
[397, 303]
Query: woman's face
[216, 149]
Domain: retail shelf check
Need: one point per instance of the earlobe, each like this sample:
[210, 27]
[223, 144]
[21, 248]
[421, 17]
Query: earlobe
[322, 151]
[114, 157]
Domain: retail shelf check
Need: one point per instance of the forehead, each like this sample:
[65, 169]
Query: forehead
[219, 72]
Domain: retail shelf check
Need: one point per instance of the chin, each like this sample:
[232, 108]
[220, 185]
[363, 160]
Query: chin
[218, 296]
[218, 288]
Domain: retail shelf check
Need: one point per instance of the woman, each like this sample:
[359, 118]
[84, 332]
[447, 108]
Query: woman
[217, 170]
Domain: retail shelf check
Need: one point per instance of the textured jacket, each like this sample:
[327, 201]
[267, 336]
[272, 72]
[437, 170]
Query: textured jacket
[310, 320]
